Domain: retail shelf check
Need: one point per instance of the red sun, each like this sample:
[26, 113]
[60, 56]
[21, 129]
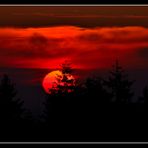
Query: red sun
[50, 80]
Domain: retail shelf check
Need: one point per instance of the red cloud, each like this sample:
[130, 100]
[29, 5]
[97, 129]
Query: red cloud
[85, 47]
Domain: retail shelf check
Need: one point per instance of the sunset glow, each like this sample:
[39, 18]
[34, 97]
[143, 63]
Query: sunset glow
[85, 47]
[50, 81]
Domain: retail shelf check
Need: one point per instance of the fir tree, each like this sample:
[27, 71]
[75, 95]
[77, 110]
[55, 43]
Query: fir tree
[66, 84]
[57, 101]
[118, 85]
[11, 108]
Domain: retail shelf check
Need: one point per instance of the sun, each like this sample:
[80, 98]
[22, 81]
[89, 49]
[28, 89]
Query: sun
[51, 80]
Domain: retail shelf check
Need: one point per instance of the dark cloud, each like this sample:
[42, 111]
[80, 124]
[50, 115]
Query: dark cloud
[38, 40]
[34, 46]
[77, 16]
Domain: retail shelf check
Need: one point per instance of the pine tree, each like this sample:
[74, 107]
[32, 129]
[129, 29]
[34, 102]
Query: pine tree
[57, 102]
[95, 98]
[11, 108]
[66, 83]
[118, 85]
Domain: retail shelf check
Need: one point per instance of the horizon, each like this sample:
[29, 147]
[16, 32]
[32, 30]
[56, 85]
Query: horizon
[28, 83]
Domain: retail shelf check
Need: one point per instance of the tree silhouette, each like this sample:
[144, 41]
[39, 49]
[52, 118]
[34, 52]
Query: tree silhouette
[58, 101]
[66, 84]
[118, 85]
[80, 108]
[11, 108]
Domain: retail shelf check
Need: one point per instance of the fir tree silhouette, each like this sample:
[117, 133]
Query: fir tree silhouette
[11, 108]
[118, 85]
[58, 102]
[88, 107]
[94, 99]
[67, 83]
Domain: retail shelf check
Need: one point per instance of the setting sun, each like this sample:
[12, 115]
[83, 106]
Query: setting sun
[53, 79]
[50, 80]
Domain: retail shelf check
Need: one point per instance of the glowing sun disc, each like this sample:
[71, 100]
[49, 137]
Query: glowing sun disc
[50, 80]
[54, 78]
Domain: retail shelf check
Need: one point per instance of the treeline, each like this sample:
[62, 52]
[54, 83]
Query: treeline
[75, 110]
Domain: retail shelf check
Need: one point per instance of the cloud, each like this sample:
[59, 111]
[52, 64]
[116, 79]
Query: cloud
[85, 47]
[116, 35]
[38, 40]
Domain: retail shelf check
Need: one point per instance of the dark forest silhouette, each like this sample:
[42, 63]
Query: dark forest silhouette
[11, 108]
[94, 110]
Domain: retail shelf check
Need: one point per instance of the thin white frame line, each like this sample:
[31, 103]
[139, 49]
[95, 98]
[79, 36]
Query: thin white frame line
[77, 5]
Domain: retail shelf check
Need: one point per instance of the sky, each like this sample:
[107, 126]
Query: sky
[36, 40]
[90, 37]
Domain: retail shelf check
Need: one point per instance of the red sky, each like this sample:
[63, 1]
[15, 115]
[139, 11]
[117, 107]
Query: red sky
[85, 47]
[91, 37]
[117, 33]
